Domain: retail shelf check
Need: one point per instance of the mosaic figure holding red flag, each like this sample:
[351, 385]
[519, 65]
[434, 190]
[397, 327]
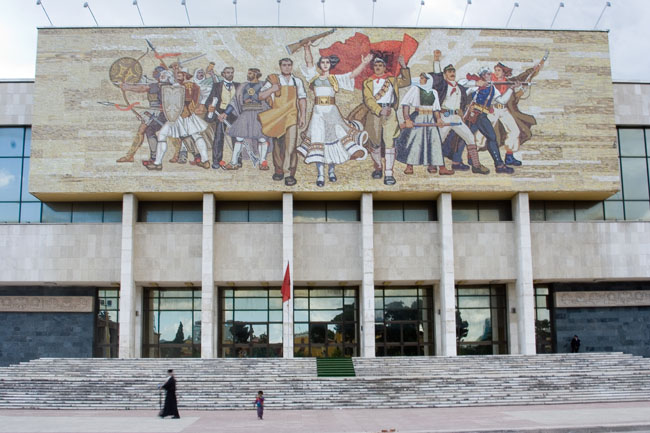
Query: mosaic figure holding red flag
[330, 139]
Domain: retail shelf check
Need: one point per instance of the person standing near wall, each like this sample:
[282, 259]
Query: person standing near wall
[575, 344]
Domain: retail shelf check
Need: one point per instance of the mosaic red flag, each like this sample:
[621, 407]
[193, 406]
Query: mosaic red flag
[350, 52]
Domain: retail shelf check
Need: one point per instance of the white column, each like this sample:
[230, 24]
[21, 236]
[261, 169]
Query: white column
[287, 257]
[209, 325]
[513, 333]
[139, 321]
[437, 324]
[524, 284]
[447, 285]
[127, 283]
[367, 298]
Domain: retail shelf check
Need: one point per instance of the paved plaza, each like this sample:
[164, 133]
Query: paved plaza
[621, 417]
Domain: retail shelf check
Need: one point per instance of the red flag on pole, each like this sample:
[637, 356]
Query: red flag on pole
[286, 286]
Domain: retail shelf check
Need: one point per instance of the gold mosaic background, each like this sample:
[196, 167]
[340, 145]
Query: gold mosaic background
[76, 141]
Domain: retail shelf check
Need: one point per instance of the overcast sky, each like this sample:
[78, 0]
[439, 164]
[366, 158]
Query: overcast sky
[627, 21]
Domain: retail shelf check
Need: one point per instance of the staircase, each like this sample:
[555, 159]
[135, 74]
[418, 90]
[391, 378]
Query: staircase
[396, 382]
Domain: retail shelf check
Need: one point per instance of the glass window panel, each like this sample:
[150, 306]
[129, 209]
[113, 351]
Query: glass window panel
[383, 211]
[260, 332]
[187, 212]
[11, 141]
[275, 316]
[232, 212]
[26, 196]
[175, 293]
[326, 303]
[155, 212]
[176, 303]
[536, 210]
[350, 292]
[401, 303]
[419, 211]
[10, 180]
[464, 211]
[113, 212]
[637, 210]
[540, 301]
[301, 316]
[589, 211]
[479, 326]
[300, 329]
[275, 292]
[315, 293]
[349, 301]
[265, 212]
[379, 302]
[631, 142]
[541, 290]
[275, 303]
[197, 304]
[343, 211]
[9, 212]
[228, 293]
[494, 211]
[473, 291]
[473, 302]
[635, 178]
[614, 210]
[379, 315]
[228, 304]
[248, 293]
[86, 212]
[543, 314]
[301, 304]
[326, 315]
[57, 212]
[300, 293]
[559, 211]
[251, 304]
[28, 142]
[170, 326]
[228, 316]
[309, 211]
[275, 333]
[251, 316]
[401, 292]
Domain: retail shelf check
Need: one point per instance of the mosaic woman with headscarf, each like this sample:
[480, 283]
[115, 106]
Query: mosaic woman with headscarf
[419, 142]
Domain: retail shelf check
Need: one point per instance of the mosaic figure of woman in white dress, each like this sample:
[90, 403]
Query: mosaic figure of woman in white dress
[330, 139]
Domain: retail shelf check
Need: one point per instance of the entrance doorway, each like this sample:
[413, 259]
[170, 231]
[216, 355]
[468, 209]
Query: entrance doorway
[326, 322]
[250, 323]
[481, 326]
[404, 321]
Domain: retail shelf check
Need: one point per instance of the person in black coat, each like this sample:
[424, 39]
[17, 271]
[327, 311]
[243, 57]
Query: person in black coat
[171, 406]
[575, 344]
[220, 96]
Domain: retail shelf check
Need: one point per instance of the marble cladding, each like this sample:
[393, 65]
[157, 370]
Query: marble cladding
[485, 251]
[407, 251]
[248, 253]
[632, 103]
[171, 252]
[590, 250]
[16, 102]
[327, 252]
[61, 253]
[167, 253]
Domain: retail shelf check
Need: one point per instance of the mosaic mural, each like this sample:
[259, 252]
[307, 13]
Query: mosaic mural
[313, 109]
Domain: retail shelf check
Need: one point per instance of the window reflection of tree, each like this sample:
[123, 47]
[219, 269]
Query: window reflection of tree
[462, 327]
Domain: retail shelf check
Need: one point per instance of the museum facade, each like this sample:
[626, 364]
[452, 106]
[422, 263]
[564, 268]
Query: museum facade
[175, 250]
